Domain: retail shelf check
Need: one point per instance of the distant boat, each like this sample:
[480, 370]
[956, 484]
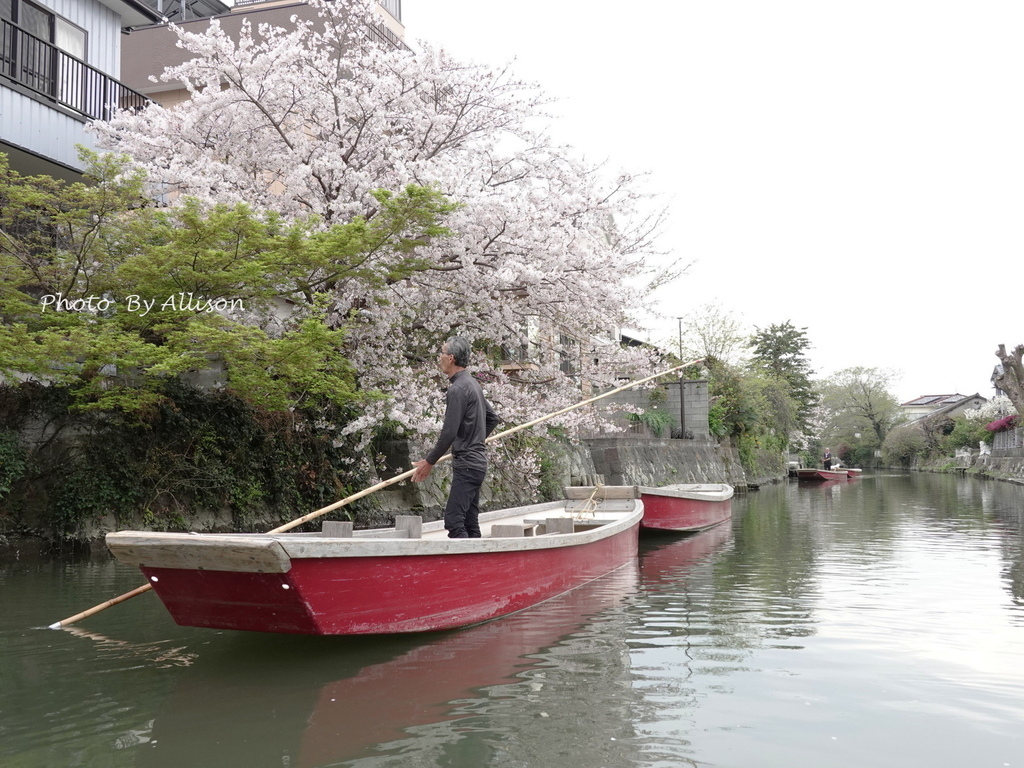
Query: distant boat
[818, 475]
[686, 506]
[852, 472]
[410, 578]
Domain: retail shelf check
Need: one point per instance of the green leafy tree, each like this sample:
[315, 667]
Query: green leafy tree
[107, 294]
[903, 445]
[858, 408]
[780, 354]
[754, 412]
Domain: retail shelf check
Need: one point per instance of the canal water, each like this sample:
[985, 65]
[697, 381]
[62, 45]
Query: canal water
[877, 622]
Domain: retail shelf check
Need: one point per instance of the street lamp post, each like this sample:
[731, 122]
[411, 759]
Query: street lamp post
[682, 376]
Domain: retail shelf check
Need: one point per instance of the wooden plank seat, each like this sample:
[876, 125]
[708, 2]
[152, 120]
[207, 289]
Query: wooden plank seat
[550, 525]
[601, 492]
[336, 529]
[406, 527]
[513, 530]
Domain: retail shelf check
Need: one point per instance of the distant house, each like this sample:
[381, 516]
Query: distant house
[947, 405]
[60, 61]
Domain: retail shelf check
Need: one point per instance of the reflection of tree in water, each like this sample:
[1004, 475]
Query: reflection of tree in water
[985, 513]
[627, 686]
[703, 614]
[1005, 504]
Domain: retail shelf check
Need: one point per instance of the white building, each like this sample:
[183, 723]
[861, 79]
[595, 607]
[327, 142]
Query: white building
[60, 64]
[950, 405]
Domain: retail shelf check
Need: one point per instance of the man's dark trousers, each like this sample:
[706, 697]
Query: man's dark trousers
[463, 507]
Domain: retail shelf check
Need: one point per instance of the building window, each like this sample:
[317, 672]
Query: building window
[30, 44]
[46, 25]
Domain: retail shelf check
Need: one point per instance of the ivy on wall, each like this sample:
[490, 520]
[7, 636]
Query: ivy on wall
[195, 452]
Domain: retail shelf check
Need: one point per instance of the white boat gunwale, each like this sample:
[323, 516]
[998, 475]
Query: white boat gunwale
[694, 491]
[273, 553]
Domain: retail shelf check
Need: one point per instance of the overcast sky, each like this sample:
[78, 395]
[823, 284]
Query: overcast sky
[853, 167]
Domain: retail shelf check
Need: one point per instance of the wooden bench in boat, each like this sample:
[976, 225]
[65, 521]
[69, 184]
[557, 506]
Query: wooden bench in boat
[406, 527]
[513, 530]
[546, 527]
[601, 492]
[550, 525]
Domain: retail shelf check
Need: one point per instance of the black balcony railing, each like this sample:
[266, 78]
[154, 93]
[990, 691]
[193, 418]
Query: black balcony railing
[45, 69]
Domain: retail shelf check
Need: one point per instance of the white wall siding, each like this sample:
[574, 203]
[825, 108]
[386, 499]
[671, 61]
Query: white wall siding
[41, 129]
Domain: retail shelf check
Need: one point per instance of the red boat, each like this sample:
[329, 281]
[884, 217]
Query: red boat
[686, 507]
[368, 698]
[818, 475]
[410, 578]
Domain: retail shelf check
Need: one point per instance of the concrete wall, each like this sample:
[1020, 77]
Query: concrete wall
[655, 462]
[667, 400]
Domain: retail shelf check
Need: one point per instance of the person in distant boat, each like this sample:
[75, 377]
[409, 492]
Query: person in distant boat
[468, 420]
[827, 459]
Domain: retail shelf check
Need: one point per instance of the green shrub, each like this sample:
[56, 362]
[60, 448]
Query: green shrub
[658, 422]
[967, 433]
[902, 446]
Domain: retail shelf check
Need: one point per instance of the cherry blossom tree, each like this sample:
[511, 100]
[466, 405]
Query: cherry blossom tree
[308, 121]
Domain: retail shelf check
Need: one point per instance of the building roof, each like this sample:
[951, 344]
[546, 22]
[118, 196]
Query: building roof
[952, 407]
[934, 401]
[133, 13]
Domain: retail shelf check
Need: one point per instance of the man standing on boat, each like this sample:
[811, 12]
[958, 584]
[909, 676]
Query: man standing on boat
[468, 420]
[826, 460]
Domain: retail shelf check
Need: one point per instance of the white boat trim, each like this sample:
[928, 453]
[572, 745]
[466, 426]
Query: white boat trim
[693, 491]
[273, 553]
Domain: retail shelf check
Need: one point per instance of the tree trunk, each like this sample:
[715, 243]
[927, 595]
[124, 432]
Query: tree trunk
[1011, 380]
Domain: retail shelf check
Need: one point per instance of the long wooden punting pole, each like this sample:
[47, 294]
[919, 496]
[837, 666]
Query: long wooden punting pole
[373, 489]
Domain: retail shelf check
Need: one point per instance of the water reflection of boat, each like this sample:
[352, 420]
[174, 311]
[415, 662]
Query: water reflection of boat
[411, 578]
[660, 559]
[686, 506]
[308, 701]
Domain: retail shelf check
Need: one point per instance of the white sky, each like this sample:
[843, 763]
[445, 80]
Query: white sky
[856, 168]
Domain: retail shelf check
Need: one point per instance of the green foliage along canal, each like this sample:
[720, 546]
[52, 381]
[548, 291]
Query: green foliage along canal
[877, 622]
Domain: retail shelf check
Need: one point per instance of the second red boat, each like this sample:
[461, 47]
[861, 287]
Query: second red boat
[686, 507]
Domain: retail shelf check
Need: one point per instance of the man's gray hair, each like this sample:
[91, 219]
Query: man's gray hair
[458, 348]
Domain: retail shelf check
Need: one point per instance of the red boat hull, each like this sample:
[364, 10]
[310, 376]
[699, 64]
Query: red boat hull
[818, 475]
[680, 512]
[387, 594]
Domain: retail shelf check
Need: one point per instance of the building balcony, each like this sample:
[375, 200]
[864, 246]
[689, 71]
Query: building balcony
[46, 73]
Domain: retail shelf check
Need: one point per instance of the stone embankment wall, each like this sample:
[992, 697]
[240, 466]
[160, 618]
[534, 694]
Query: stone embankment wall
[1005, 465]
[609, 460]
[1010, 468]
[655, 462]
[627, 460]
